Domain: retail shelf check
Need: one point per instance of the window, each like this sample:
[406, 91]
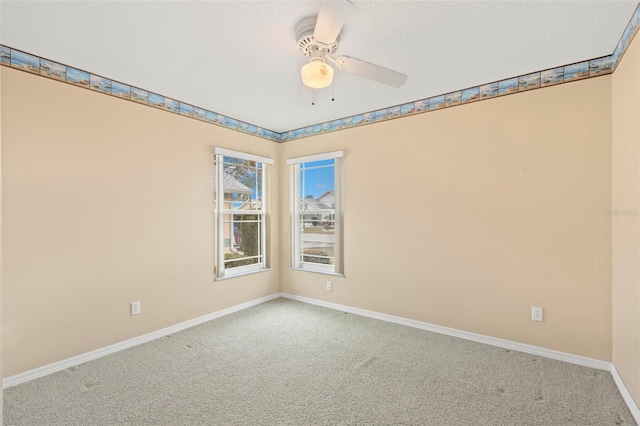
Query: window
[316, 212]
[240, 186]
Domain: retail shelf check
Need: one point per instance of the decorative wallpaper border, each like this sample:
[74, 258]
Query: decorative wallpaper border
[558, 75]
[23, 61]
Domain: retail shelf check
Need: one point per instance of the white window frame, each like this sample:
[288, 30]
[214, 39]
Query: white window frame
[294, 190]
[220, 212]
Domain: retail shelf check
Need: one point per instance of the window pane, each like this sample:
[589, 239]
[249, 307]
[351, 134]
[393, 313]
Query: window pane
[319, 182]
[318, 240]
[243, 180]
[317, 163]
[244, 244]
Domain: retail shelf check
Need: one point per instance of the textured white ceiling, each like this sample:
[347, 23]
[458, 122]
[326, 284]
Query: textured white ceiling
[240, 58]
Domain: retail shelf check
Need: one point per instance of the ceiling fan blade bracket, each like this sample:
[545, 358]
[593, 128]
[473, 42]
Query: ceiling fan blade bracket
[326, 47]
[339, 61]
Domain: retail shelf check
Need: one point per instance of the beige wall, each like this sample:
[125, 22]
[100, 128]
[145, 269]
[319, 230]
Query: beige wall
[626, 227]
[467, 217]
[106, 202]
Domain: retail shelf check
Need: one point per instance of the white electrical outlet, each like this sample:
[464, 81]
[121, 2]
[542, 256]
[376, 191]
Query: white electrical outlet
[135, 308]
[536, 313]
[329, 286]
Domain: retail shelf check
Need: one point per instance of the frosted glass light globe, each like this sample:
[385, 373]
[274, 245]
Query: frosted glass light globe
[317, 74]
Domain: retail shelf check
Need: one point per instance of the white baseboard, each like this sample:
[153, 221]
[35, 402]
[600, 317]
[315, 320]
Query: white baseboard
[494, 341]
[89, 356]
[626, 395]
[507, 344]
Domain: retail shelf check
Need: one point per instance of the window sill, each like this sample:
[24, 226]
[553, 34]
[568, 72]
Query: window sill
[242, 274]
[335, 274]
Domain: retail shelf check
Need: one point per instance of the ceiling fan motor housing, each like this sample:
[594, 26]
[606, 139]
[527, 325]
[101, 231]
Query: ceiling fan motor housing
[307, 44]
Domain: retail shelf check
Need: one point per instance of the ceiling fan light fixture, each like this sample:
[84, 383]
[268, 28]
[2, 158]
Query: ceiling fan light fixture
[317, 74]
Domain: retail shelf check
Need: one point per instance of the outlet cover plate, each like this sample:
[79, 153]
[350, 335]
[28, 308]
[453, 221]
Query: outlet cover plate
[536, 313]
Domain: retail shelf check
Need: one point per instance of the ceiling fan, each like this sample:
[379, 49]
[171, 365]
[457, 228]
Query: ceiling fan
[318, 38]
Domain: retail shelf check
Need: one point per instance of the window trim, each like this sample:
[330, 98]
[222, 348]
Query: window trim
[245, 156]
[294, 196]
[220, 272]
[316, 157]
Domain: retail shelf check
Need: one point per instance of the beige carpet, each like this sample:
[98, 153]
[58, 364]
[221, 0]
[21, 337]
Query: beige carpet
[289, 363]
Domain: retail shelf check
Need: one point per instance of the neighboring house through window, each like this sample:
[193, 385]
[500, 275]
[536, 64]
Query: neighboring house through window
[240, 183]
[316, 212]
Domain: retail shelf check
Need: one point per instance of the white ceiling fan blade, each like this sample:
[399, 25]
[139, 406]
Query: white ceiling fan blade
[371, 71]
[331, 19]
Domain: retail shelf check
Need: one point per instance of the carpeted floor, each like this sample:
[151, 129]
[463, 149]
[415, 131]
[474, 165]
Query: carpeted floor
[289, 363]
